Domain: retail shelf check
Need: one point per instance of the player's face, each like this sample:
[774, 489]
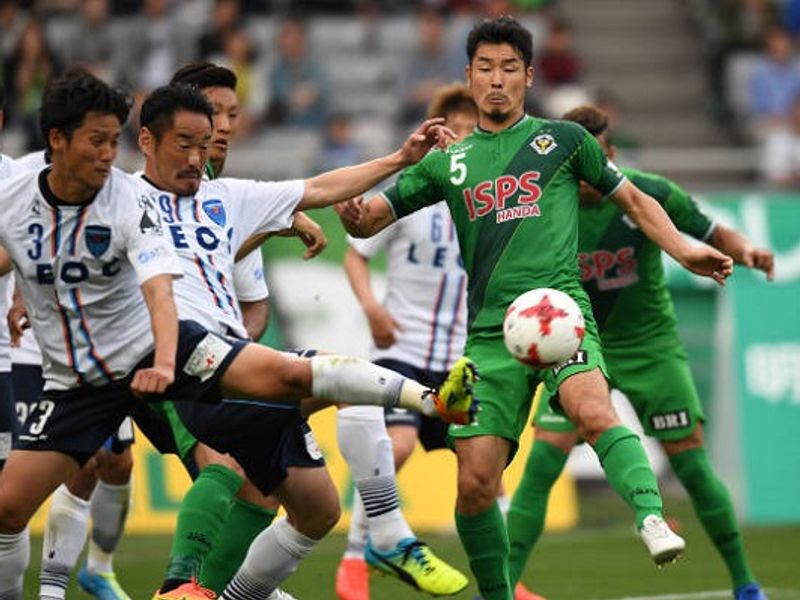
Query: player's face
[175, 162]
[226, 122]
[87, 155]
[498, 78]
[462, 122]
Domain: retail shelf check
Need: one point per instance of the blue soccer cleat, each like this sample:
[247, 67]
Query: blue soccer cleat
[101, 585]
[749, 591]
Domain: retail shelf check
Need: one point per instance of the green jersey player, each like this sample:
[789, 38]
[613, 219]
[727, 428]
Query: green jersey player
[622, 272]
[512, 189]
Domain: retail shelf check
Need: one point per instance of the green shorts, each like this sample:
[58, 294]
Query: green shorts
[164, 428]
[658, 384]
[506, 387]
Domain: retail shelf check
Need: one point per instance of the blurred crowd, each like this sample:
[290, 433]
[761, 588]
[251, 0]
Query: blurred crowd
[754, 77]
[353, 76]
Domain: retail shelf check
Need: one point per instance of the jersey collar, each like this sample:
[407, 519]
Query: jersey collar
[525, 117]
[51, 198]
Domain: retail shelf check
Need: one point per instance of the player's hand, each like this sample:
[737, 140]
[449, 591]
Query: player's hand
[350, 212]
[18, 321]
[310, 233]
[428, 135]
[761, 259]
[709, 262]
[152, 381]
[382, 325]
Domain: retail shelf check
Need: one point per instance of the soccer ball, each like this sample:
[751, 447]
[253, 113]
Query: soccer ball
[543, 328]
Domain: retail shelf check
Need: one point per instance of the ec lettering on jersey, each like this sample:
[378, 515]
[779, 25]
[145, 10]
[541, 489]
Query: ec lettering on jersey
[671, 420]
[207, 357]
[491, 196]
[612, 270]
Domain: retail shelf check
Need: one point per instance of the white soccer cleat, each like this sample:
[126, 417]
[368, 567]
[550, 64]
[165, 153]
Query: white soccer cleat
[279, 594]
[664, 545]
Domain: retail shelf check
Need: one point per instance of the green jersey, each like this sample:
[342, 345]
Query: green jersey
[621, 268]
[513, 196]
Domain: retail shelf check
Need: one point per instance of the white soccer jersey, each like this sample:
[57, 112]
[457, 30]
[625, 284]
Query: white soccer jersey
[80, 268]
[207, 230]
[8, 168]
[33, 161]
[426, 288]
[249, 283]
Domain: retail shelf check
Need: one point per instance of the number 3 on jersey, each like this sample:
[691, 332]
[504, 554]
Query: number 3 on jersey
[458, 168]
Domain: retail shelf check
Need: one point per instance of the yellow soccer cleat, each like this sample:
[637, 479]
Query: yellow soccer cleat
[101, 585]
[190, 590]
[413, 561]
[455, 401]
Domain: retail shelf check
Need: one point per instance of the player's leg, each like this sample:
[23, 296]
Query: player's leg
[312, 506]
[8, 417]
[65, 531]
[250, 514]
[660, 387]
[553, 439]
[109, 510]
[27, 480]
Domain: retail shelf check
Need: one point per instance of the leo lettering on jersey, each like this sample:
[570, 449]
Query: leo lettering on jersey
[488, 196]
[612, 270]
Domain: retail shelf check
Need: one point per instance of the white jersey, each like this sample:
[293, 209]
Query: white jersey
[207, 230]
[33, 161]
[426, 288]
[8, 168]
[249, 283]
[80, 268]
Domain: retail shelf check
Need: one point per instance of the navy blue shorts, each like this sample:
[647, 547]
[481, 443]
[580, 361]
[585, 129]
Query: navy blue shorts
[8, 417]
[432, 431]
[78, 422]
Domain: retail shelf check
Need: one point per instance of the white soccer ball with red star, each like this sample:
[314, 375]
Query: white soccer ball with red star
[543, 328]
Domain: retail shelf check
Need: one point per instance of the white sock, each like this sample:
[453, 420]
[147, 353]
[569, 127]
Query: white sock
[272, 557]
[350, 380]
[15, 552]
[109, 511]
[64, 536]
[367, 448]
[359, 528]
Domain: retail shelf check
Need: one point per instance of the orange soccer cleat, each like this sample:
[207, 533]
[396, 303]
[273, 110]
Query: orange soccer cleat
[352, 579]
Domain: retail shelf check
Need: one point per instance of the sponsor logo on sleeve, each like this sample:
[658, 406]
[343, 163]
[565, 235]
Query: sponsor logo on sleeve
[207, 357]
[581, 358]
[146, 256]
[150, 222]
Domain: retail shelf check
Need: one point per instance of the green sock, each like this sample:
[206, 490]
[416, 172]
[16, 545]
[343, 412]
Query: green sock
[628, 471]
[529, 504]
[203, 511]
[245, 521]
[485, 541]
[714, 509]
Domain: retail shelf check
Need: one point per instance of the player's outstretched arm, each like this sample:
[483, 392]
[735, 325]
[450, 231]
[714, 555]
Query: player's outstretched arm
[739, 248]
[364, 219]
[381, 323]
[157, 292]
[348, 182]
[656, 224]
[306, 229]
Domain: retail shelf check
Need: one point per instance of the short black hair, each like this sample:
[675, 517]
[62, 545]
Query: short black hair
[502, 30]
[68, 98]
[205, 75]
[158, 110]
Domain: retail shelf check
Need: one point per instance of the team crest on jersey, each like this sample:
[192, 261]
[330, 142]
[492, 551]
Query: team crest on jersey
[215, 211]
[544, 144]
[98, 239]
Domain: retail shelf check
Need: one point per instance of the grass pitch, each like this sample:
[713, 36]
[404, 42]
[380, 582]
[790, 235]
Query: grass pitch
[600, 560]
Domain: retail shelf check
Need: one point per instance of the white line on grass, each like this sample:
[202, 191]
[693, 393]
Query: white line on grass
[691, 596]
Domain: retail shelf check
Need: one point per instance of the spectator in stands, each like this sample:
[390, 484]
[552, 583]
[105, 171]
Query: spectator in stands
[775, 82]
[780, 160]
[31, 64]
[740, 27]
[239, 55]
[338, 148]
[433, 65]
[297, 82]
[225, 20]
[559, 62]
[90, 40]
[13, 21]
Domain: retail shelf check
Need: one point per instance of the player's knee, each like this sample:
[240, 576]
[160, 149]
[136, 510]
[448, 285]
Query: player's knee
[116, 468]
[13, 519]
[477, 489]
[592, 418]
[318, 522]
[296, 378]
